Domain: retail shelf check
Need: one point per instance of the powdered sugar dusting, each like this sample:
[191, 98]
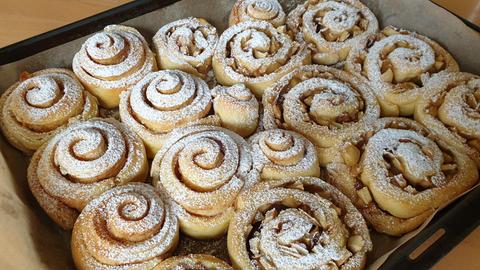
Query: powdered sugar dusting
[116, 58]
[35, 109]
[88, 158]
[314, 230]
[281, 153]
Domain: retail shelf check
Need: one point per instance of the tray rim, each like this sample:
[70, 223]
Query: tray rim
[456, 218]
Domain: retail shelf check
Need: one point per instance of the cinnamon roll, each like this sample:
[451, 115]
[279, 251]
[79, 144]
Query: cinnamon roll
[450, 108]
[257, 54]
[112, 61]
[402, 175]
[333, 28]
[397, 64]
[193, 262]
[186, 45]
[80, 163]
[257, 10]
[237, 108]
[203, 169]
[40, 105]
[127, 227]
[297, 223]
[281, 154]
[324, 104]
[162, 101]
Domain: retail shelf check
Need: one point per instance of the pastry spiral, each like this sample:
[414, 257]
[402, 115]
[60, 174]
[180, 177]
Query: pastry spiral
[186, 45]
[450, 108]
[203, 169]
[297, 223]
[397, 64]
[257, 10]
[80, 163]
[324, 104]
[333, 28]
[42, 104]
[281, 154]
[162, 101]
[111, 61]
[403, 173]
[237, 108]
[256, 54]
[193, 262]
[127, 227]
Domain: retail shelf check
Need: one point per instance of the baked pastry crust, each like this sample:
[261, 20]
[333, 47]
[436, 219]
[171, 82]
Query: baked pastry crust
[111, 61]
[193, 262]
[203, 169]
[186, 45]
[80, 163]
[402, 175]
[326, 105]
[398, 63]
[449, 108]
[237, 108]
[257, 54]
[127, 227]
[333, 28]
[257, 10]
[297, 223]
[279, 154]
[162, 101]
[42, 104]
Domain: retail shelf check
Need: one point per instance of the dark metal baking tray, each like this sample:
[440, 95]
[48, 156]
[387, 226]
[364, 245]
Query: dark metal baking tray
[457, 220]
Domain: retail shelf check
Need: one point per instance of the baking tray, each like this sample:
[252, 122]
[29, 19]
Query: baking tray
[449, 227]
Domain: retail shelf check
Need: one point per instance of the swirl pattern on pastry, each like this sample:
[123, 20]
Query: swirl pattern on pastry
[333, 28]
[193, 262]
[450, 108]
[256, 54]
[82, 162]
[324, 104]
[186, 45]
[281, 154]
[397, 64]
[42, 104]
[162, 101]
[237, 108]
[402, 175]
[297, 223]
[111, 61]
[127, 227]
[203, 169]
[257, 10]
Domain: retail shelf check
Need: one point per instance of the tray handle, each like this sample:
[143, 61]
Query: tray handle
[448, 228]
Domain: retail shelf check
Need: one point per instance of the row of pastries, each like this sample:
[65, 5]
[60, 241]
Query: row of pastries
[293, 134]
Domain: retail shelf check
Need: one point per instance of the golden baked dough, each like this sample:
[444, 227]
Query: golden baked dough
[297, 223]
[186, 45]
[402, 175]
[203, 169]
[257, 10]
[193, 262]
[279, 154]
[333, 28]
[257, 54]
[324, 104]
[127, 227]
[163, 101]
[237, 108]
[42, 104]
[398, 63]
[449, 108]
[80, 163]
[111, 61]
